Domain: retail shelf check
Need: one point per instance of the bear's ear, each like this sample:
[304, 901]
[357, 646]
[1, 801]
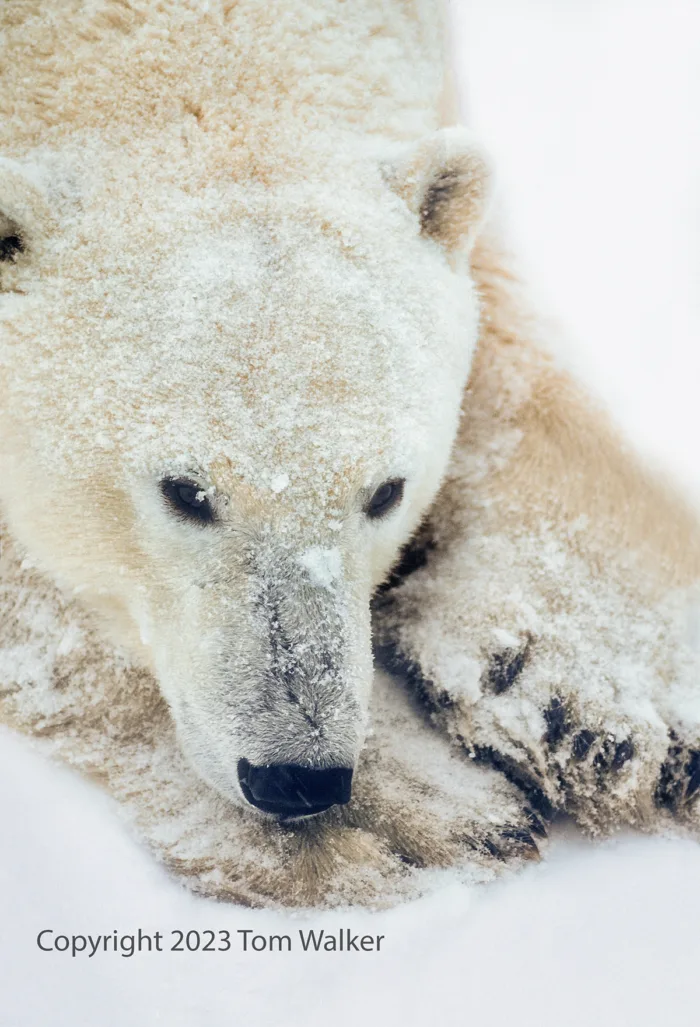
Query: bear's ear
[446, 180]
[24, 212]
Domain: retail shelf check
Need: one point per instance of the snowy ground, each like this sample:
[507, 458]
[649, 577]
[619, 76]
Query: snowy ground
[591, 110]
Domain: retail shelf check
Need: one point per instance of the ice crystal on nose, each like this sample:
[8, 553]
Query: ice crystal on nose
[324, 566]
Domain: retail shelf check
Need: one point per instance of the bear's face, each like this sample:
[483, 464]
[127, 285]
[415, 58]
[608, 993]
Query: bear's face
[223, 414]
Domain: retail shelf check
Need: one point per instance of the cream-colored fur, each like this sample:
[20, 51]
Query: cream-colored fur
[555, 626]
[241, 263]
[417, 805]
[234, 265]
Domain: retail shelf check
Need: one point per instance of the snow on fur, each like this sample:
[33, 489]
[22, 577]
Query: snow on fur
[415, 801]
[552, 627]
[239, 254]
[241, 265]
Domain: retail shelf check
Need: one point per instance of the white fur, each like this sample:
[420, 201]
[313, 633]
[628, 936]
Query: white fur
[265, 317]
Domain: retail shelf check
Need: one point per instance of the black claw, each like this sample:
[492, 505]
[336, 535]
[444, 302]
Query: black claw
[669, 792]
[623, 752]
[582, 744]
[492, 848]
[409, 861]
[557, 721]
[537, 825]
[519, 834]
[520, 777]
[604, 757]
[693, 771]
[670, 787]
[505, 668]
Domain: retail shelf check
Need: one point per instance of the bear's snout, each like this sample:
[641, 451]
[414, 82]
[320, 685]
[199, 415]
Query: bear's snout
[290, 790]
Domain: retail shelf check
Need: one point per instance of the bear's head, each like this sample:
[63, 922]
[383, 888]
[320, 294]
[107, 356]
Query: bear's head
[225, 406]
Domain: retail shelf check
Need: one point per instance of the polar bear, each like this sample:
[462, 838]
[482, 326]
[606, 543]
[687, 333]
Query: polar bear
[238, 320]
[264, 378]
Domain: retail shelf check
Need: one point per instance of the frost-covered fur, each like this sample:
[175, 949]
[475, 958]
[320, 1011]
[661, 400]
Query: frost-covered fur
[552, 622]
[417, 805]
[234, 248]
[235, 255]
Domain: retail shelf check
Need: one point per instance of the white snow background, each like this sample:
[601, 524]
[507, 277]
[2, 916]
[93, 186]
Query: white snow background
[591, 110]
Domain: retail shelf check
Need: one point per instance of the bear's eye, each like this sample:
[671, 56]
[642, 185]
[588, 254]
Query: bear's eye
[386, 498]
[188, 499]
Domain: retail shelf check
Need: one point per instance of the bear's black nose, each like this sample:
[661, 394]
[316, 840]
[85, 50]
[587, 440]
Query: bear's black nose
[293, 791]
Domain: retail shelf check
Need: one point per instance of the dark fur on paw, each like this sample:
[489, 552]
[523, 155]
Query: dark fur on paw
[505, 668]
[559, 722]
[431, 698]
[679, 778]
[525, 778]
[608, 753]
[439, 704]
[584, 765]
